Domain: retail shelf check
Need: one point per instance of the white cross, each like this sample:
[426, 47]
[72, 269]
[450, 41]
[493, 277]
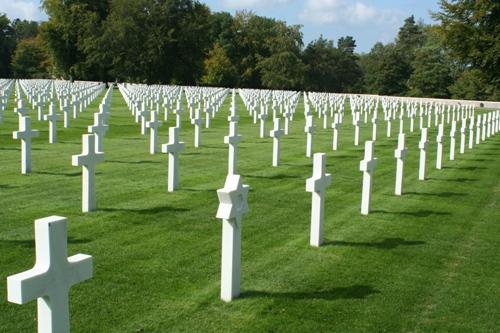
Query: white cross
[25, 134]
[356, 122]
[232, 206]
[422, 145]
[309, 129]
[336, 125]
[88, 160]
[478, 129]
[262, 117]
[276, 134]
[317, 185]
[367, 166]
[197, 121]
[439, 140]
[463, 129]
[21, 110]
[52, 119]
[233, 117]
[232, 140]
[288, 116]
[471, 132]
[400, 155]
[153, 126]
[452, 139]
[178, 111]
[66, 114]
[52, 276]
[144, 113]
[173, 148]
[99, 129]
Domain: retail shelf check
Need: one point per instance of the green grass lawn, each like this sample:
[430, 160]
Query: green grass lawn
[424, 262]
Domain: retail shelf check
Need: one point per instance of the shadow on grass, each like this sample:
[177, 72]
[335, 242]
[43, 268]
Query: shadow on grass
[420, 213]
[7, 186]
[441, 194]
[133, 162]
[386, 244]
[352, 292]
[214, 147]
[470, 168]
[277, 176]
[30, 243]
[18, 149]
[70, 174]
[150, 210]
[454, 179]
[198, 190]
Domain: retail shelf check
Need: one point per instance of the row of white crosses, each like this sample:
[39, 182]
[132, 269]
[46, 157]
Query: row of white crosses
[92, 153]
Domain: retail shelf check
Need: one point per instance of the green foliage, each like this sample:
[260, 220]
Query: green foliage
[471, 31]
[332, 69]
[219, 71]
[385, 70]
[30, 59]
[7, 45]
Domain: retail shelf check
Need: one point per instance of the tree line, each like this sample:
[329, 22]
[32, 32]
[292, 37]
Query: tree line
[183, 42]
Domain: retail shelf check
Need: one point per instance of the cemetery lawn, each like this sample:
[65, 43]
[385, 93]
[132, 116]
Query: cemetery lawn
[424, 262]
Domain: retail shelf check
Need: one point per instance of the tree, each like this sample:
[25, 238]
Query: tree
[24, 29]
[219, 71]
[30, 60]
[432, 69]
[7, 45]
[282, 68]
[385, 70]
[471, 31]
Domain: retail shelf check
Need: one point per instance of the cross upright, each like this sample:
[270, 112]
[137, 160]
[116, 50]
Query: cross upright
[232, 140]
[178, 111]
[400, 155]
[21, 110]
[208, 115]
[478, 129]
[262, 118]
[173, 148]
[197, 122]
[422, 145]
[463, 130]
[317, 185]
[52, 276]
[99, 129]
[25, 134]
[452, 139]
[88, 160]
[153, 126]
[374, 127]
[439, 140]
[288, 116]
[309, 129]
[52, 119]
[276, 134]
[471, 132]
[144, 114]
[367, 166]
[232, 206]
[66, 114]
[356, 122]
[40, 104]
[233, 116]
[336, 125]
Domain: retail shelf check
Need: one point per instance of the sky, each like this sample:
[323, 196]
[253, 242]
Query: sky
[367, 21]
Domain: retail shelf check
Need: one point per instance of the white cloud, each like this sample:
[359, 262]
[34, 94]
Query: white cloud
[22, 9]
[252, 4]
[344, 11]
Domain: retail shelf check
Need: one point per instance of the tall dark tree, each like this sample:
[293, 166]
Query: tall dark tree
[7, 45]
[471, 31]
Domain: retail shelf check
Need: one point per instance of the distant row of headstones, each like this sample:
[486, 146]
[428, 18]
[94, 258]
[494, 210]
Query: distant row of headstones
[53, 274]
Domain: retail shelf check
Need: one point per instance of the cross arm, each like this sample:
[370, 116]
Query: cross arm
[26, 286]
